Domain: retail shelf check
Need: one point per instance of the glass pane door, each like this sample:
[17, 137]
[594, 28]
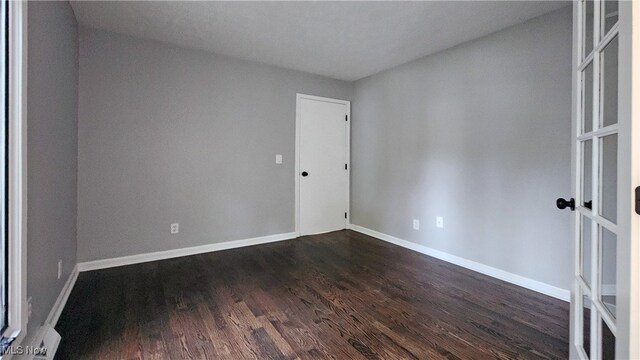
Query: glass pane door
[597, 180]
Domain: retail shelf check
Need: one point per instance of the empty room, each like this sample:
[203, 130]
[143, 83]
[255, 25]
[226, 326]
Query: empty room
[320, 180]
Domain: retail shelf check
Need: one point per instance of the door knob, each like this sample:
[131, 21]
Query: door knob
[563, 204]
[304, 173]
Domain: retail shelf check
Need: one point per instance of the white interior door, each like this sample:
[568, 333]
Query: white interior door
[322, 173]
[604, 301]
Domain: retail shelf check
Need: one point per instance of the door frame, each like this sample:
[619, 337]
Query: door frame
[629, 107]
[299, 97]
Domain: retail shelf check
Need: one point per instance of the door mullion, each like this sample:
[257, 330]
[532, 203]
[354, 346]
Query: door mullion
[595, 289]
[581, 61]
[596, 180]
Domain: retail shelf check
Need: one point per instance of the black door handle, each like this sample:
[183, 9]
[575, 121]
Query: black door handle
[563, 204]
[304, 173]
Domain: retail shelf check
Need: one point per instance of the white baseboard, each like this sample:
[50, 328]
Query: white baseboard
[47, 332]
[168, 254]
[519, 280]
[531, 284]
[61, 301]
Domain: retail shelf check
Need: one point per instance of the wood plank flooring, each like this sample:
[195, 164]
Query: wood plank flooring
[341, 295]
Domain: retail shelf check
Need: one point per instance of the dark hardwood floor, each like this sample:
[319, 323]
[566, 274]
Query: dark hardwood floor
[341, 295]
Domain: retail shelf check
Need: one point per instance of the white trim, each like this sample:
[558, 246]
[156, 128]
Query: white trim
[348, 160]
[58, 306]
[168, 254]
[47, 329]
[575, 303]
[17, 211]
[512, 278]
[628, 302]
[299, 97]
[47, 337]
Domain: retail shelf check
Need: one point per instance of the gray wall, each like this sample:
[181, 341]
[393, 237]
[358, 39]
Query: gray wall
[52, 130]
[478, 134]
[168, 135]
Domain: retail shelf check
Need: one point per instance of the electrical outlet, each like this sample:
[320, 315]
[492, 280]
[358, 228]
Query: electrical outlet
[59, 269]
[278, 159]
[175, 228]
[29, 307]
[416, 224]
[440, 222]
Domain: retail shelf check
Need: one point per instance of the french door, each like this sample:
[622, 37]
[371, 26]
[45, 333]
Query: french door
[604, 298]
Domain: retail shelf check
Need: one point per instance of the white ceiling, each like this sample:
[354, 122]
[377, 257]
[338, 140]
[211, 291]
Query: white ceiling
[342, 40]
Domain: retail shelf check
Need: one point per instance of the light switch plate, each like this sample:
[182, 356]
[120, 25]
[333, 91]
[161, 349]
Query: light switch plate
[278, 159]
